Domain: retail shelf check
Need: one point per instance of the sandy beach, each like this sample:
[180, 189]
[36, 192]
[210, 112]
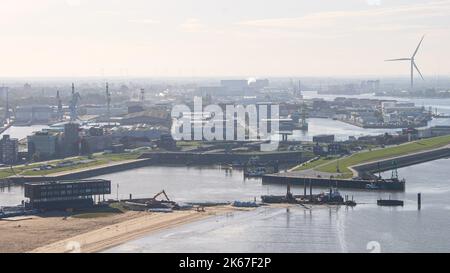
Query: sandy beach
[26, 235]
[56, 234]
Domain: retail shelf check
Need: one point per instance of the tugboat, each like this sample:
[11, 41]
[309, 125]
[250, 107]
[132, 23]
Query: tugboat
[332, 197]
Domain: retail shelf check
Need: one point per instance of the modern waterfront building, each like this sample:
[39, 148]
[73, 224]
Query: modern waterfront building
[61, 195]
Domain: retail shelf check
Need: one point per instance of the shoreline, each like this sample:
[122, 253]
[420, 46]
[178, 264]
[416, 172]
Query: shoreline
[108, 236]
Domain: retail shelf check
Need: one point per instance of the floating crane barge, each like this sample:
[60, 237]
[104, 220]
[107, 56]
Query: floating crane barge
[333, 197]
[298, 179]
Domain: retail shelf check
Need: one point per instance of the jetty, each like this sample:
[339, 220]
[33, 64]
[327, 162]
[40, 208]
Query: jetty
[297, 178]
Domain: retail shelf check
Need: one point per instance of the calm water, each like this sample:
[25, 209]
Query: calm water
[442, 105]
[320, 229]
[21, 132]
[342, 130]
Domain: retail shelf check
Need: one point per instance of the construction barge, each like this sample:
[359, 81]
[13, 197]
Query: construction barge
[333, 197]
[298, 179]
[390, 202]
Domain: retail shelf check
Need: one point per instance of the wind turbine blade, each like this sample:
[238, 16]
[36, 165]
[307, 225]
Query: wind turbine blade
[402, 59]
[415, 66]
[417, 48]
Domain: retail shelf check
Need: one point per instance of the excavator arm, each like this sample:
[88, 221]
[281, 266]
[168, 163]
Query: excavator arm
[161, 192]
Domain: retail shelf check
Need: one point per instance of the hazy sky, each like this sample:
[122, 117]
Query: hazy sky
[221, 37]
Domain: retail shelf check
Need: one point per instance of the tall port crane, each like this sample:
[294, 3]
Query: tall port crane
[74, 103]
[142, 95]
[60, 107]
[108, 103]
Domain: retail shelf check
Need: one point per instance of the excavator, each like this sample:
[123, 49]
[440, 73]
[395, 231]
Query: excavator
[161, 192]
[167, 203]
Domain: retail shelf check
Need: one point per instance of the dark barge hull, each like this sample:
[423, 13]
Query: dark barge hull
[390, 203]
[291, 179]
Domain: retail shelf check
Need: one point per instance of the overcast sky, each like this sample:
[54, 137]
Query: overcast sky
[221, 37]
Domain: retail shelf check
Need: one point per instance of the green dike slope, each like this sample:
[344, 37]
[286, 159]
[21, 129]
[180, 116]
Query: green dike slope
[363, 157]
[97, 160]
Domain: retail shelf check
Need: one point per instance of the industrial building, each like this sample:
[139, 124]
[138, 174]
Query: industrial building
[42, 144]
[95, 141]
[151, 117]
[71, 139]
[34, 114]
[9, 150]
[323, 139]
[99, 110]
[69, 194]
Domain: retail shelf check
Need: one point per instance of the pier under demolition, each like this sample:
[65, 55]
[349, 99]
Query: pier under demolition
[333, 197]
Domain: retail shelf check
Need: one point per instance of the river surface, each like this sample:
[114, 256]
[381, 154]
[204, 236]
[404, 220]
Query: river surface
[21, 132]
[442, 105]
[319, 229]
[342, 130]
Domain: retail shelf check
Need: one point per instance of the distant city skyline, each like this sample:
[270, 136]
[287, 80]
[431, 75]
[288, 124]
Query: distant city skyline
[209, 38]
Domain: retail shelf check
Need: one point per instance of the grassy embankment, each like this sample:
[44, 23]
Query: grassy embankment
[112, 209]
[96, 160]
[313, 164]
[367, 156]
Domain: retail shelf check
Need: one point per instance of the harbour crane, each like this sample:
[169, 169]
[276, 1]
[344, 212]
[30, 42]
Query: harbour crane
[60, 107]
[108, 103]
[74, 103]
[142, 95]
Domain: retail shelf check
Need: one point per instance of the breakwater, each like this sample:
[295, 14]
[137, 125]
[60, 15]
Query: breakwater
[386, 126]
[366, 170]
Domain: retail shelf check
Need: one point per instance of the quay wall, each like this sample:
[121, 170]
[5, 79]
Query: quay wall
[191, 158]
[159, 158]
[383, 126]
[81, 174]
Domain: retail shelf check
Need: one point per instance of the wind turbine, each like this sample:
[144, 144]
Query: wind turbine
[413, 63]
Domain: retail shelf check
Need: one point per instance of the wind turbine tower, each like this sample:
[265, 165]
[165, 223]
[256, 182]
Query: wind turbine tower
[412, 62]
